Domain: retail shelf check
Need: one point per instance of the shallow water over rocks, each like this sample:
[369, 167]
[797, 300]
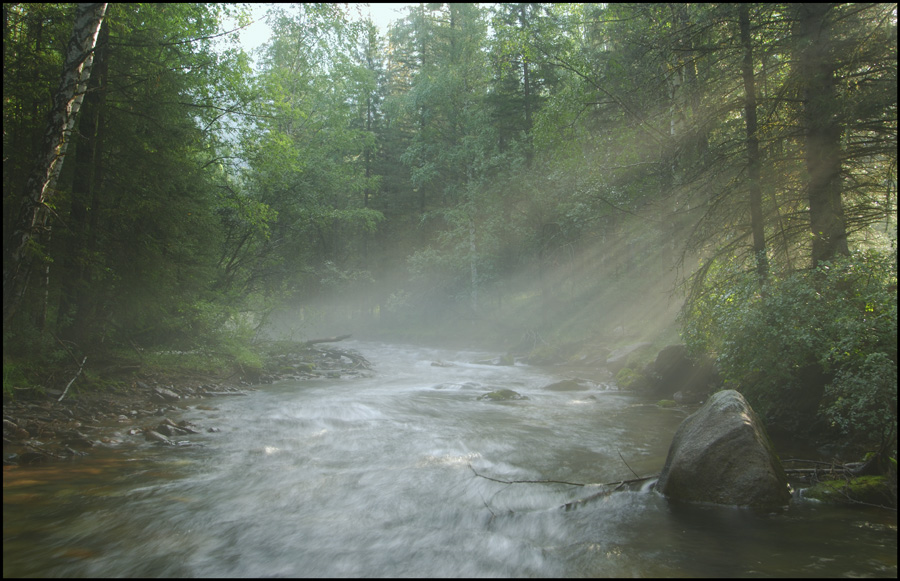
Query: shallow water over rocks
[376, 477]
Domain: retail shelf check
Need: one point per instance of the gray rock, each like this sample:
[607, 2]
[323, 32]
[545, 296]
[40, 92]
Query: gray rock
[166, 394]
[569, 385]
[76, 439]
[721, 454]
[502, 395]
[152, 436]
[166, 430]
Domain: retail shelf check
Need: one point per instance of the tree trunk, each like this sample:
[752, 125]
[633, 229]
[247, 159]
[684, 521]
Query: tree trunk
[753, 160]
[31, 222]
[473, 267]
[823, 132]
[76, 297]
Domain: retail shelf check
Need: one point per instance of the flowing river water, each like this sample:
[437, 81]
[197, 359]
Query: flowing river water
[377, 477]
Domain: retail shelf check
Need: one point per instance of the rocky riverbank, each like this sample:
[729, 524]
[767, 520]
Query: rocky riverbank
[43, 428]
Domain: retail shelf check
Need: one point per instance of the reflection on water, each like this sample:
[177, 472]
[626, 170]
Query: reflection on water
[375, 477]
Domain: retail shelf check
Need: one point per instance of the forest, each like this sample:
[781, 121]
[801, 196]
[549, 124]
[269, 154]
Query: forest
[524, 175]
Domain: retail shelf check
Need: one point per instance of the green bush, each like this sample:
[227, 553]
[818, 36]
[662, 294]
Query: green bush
[627, 378]
[825, 336]
[14, 377]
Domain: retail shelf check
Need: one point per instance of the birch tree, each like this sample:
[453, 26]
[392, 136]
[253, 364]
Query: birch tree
[32, 222]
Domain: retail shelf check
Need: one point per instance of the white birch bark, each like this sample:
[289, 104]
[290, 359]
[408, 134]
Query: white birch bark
[32, 221]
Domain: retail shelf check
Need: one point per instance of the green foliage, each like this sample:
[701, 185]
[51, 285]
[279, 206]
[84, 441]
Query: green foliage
[14, 378]
[240, 354]
[840, 318]
[310, 151]
[864, 395]
[863, 489]
[548, 161]
[628, 377]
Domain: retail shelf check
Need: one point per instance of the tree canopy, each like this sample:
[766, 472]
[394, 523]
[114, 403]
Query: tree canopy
[551, 171]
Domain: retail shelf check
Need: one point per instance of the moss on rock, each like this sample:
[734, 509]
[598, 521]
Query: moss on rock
[867, 489]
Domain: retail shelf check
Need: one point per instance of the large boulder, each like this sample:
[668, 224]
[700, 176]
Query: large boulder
[721, 454]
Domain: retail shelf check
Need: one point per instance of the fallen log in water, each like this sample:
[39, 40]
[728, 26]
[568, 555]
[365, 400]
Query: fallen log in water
[326, 340]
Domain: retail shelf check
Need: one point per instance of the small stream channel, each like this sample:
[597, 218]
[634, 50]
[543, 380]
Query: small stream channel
[374, 477]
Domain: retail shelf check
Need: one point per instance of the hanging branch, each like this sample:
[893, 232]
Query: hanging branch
[66, 347]
[73, 380]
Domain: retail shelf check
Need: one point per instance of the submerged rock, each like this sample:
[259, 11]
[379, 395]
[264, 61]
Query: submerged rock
[721, 454]
[504, 360]
[569, 385]
[502, 395]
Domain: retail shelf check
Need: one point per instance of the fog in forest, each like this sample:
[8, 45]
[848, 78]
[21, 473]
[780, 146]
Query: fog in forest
[293, 291]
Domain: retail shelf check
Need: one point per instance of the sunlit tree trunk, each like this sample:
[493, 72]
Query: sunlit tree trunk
[31, 223]
[823, 132]
[753, 160]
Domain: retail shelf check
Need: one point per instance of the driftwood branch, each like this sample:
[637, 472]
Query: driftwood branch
[617, 482]
[357, 359]
[66, 390]
[619, 485]
[569, 505]
[626, 464]
[810, 461]
[820, 467]
[847, 471]
[326, 340]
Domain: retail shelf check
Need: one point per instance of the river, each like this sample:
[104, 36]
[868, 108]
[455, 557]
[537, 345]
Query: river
[376, 477]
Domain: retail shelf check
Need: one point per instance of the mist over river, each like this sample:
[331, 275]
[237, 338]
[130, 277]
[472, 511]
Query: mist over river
[376, 477]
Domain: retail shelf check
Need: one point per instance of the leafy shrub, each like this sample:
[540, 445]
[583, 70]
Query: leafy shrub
[832, 328]
[14, 377]
[864, 396]
[627, 377]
